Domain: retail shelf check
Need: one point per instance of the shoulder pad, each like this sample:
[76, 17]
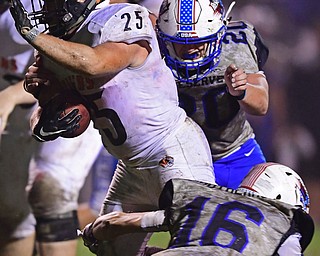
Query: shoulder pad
[128, 24]
[237, 25]
[253, 39]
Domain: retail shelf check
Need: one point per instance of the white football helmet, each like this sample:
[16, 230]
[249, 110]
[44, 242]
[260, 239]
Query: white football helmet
[191, 22]
[277, 181]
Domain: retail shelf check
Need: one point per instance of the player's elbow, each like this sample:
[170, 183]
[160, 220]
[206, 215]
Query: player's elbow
[93, 70]
[264, 108]
[259, 108]
[99, 69]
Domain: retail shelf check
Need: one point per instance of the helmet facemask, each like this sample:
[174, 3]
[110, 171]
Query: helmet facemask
[62, 17]
[191, 22]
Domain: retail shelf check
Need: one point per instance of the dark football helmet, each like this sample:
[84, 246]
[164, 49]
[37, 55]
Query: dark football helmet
[4, 3]
[61, 17]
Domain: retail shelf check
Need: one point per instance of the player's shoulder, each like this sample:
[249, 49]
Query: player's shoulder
[177, 186]
[241, 26]
[121, 22]
[242, 32]
[104, 12]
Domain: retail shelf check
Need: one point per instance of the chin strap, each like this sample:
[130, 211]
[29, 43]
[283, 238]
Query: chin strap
[227, 19]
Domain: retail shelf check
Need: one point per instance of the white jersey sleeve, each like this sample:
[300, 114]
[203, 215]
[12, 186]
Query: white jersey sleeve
[128, 25]
[291, 246]
[121, 23]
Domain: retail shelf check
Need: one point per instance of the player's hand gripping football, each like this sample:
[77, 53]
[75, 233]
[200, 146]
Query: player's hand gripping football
[22, 21]
[48, 124]
[88, 239]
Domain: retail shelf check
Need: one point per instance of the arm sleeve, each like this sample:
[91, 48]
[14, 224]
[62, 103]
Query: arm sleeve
[129, 24]
[291, 246]
[153, 219]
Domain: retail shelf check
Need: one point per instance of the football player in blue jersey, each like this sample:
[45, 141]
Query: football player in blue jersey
[218, 65]
[267, 215]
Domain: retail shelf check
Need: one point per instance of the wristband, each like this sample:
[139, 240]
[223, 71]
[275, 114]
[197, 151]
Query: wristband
[239, 97]
[31, 34]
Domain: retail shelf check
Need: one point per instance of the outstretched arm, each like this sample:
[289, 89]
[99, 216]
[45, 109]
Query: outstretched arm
[106, 58]
[10, 98]
[109, 226]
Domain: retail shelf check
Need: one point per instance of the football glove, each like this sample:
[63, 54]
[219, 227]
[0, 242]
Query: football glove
[88, 239]
[47, 125]
[22, 21]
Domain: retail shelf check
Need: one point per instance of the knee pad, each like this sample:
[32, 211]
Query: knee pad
[61, 227]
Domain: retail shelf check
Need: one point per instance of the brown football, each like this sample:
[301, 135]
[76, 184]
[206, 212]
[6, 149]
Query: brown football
[71, 101]
[64, 102]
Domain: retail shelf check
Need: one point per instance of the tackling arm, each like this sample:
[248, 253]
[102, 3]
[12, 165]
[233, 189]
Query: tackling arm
[109, 226]
[10, 98]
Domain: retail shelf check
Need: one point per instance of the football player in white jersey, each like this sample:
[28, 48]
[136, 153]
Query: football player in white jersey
[267, 215]
[218, 69]
[16, 144]
[111, 57]
[57, 170]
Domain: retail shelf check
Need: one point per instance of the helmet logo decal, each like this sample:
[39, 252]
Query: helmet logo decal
[214, 4]
[186, 18]
[249, 181]
[304, 197]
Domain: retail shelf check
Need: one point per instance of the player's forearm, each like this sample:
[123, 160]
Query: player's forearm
[256, 100]
[108, 226]
[291, 246]
[77, 57]
[9, 99]
[18, 95]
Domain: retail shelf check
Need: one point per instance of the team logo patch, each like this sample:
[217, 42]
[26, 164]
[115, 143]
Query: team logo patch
[167, 161]
[191, 34]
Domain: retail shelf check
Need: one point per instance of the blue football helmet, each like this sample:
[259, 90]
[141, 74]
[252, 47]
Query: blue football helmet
[191, 22]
